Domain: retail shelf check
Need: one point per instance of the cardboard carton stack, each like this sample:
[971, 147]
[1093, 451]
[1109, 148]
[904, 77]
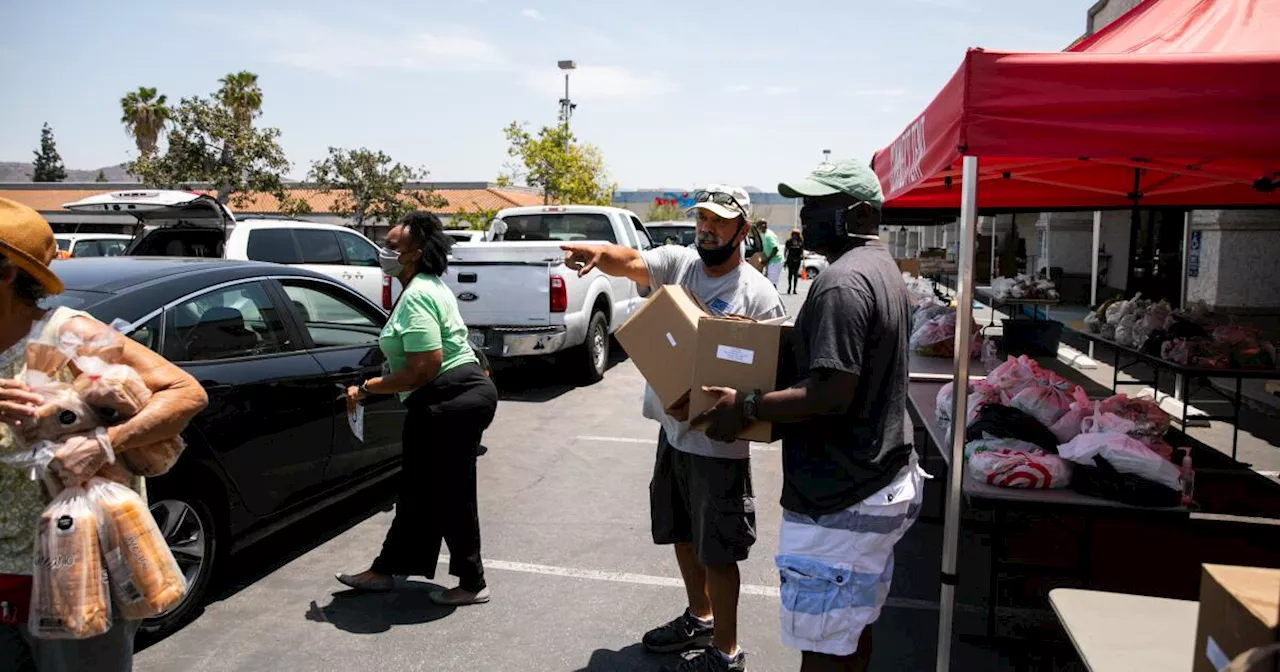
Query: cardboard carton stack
[1239, 613]
[679, 347]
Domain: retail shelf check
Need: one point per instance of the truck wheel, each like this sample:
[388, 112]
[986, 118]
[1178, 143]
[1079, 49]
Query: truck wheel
[589, 360]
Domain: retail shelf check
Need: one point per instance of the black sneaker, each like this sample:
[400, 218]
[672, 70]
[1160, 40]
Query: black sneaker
[685, 632]
[710, 660]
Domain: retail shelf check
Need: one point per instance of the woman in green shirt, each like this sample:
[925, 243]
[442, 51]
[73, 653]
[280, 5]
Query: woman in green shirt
[450, 400]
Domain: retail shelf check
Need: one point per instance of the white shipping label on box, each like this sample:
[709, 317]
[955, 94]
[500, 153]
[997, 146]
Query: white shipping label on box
[732, 354]
[671, 339]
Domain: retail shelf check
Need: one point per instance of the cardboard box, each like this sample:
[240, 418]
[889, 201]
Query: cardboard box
[660, 339]
[1239, 610]
[745, 355]
[911, 266]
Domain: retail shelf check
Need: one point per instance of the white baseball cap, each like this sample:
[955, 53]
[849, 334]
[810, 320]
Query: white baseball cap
[724, 200]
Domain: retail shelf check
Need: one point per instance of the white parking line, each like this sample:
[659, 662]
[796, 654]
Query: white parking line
[669, 582]
[760, 447]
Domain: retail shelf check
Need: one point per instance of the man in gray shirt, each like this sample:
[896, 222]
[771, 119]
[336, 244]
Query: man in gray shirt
[851, 487]
[700, 498]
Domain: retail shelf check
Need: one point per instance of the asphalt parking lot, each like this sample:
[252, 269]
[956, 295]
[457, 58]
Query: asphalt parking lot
[575, 578]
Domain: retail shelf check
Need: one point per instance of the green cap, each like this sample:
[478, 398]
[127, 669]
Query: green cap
[845, 176]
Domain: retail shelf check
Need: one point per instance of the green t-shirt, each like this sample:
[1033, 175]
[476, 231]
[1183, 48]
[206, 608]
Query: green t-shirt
[770, 241]
[426, 318]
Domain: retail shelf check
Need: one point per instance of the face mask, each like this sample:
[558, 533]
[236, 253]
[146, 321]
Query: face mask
[718, 255]
[389, 260]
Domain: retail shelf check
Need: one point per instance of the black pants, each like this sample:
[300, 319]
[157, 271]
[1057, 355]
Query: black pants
[793, 276]
[438, 483]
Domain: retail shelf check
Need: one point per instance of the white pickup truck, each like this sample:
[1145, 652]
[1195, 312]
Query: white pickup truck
[518, 298]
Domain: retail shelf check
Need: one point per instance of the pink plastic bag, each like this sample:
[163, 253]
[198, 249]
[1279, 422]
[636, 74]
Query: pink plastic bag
[1009, 378]
[1042, 402]
[1069, 425]
[980, 394]
[1138, 417]
[1009, 463]
[1127, 454]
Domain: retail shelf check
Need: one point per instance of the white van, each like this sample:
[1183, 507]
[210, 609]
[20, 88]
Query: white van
[91, 244]
[184, 224]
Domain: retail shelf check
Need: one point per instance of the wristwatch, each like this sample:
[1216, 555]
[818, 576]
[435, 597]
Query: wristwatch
[364, 389]
[749, 403]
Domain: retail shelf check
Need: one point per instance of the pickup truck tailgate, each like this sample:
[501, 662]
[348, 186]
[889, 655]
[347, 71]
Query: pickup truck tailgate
[502, 287]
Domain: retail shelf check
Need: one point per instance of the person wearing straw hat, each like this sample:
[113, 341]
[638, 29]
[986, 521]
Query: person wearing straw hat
[851, 485]
[700, 499]
[26, 249]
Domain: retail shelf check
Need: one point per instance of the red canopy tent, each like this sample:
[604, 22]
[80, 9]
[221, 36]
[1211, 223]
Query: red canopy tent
[1177, 103]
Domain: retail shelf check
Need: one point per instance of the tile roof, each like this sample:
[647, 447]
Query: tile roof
[459, 200]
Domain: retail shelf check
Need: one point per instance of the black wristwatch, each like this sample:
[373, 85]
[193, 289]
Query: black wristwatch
[749, 403]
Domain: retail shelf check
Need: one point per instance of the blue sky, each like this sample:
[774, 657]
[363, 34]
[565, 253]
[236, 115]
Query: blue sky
[674, 94]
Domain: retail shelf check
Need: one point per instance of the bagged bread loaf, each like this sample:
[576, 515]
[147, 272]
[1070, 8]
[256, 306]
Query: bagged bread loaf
[115, 390]
[45, 358]
[69, 598]
[154, 459]
[103, 346]
[145, 579]
[63, 411]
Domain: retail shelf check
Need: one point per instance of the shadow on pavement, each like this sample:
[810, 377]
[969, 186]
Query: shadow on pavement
[364, 613]
[538, 380]
[634, 658]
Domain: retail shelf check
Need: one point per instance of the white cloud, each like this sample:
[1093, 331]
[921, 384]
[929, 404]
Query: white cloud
[738, 88]
[532, 14]
[340, 51]
[598, 82]
[777, 90]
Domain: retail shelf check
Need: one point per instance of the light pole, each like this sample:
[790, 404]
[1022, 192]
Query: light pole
[566, 106]
[826, 156]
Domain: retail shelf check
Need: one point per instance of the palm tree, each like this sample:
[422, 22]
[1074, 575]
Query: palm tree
[241, 95]
[145, 116]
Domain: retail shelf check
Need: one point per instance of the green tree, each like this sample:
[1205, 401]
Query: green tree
[666, 211]
[47, 166]
[145, 115]
[241, 94]
[102, 177]
[370, 186]
[207, 143]
[554, 162]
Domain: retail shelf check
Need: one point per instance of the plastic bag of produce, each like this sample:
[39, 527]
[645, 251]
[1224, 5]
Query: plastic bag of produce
[1127, 454]
[1015, 464]
[1177, 351]
[1002, 288]
[1069, 425]
[1016, 373]
[1093, 323]
[926, 314]
[69, 597]
[1045, 403]
[145, 579]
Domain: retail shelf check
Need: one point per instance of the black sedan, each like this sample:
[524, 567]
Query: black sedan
[274, 347]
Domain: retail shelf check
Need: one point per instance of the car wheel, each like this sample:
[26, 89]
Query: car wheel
[811, 272]
[191, 532]
[591, 358]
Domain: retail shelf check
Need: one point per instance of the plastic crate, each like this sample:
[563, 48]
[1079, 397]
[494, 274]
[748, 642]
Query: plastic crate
[1034, 338]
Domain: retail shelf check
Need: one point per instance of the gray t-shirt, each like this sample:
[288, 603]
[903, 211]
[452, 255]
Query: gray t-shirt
[742, 291]
[855, 320]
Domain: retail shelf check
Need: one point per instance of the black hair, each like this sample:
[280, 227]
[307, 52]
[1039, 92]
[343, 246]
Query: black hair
[427, 232]
[27, 288]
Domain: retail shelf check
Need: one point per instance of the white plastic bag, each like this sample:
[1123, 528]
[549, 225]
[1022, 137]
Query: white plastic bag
[1009, 463]
[144, 576]
[980, 394]
[69, 597]
[1044, 402]
[1127, 454]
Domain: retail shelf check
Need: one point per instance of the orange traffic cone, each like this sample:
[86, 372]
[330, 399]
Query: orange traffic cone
[804, 274]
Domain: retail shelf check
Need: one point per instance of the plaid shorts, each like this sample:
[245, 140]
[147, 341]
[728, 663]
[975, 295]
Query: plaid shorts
[835, 570]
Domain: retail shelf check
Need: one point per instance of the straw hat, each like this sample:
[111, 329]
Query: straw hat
[27, 242]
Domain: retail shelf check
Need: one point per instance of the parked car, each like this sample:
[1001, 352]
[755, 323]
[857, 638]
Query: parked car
[184, 224]
[465, 235]
[91, 244]
[684, 233]
[274, 347]
[519, 299]
[814, 264]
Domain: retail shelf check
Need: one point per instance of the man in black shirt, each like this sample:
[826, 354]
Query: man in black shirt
[851, 486]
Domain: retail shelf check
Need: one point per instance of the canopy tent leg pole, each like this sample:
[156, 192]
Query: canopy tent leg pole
[1097, 243]
[1183, 296]
[992, 277]
[959, 407]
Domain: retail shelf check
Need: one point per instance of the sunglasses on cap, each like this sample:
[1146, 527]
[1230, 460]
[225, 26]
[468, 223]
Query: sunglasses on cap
[720, 198]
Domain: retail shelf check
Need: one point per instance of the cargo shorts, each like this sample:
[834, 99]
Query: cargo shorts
[706, 501]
